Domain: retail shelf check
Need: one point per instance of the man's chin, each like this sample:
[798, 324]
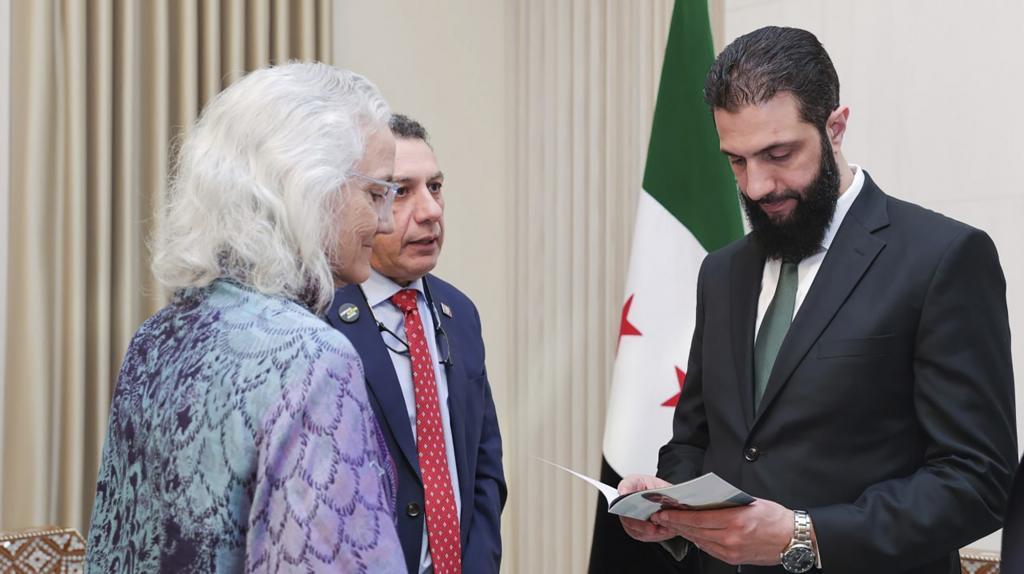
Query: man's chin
[425, 266]
[410, 271]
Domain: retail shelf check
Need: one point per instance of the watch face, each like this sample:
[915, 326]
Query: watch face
[798, 559]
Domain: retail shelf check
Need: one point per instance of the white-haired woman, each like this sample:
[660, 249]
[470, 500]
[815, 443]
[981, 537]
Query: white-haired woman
[241, 437]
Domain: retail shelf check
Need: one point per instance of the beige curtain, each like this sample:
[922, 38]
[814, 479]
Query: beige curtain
[99, 92]
[585, 75]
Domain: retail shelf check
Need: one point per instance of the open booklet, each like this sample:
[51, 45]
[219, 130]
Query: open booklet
[702, 493]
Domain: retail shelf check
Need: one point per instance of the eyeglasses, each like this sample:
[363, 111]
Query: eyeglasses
[397, 345]
[381, 192]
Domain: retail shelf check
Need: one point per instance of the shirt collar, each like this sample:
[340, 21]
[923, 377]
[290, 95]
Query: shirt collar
[379, 288]
[843, 206]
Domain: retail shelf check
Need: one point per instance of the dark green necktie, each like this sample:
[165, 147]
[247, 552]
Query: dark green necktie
[773, 329]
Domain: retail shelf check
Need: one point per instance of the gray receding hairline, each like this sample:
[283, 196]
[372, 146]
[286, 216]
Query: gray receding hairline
[257, 190]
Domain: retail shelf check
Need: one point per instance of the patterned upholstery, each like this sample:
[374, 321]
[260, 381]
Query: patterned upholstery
[42, 550]
[978, 562]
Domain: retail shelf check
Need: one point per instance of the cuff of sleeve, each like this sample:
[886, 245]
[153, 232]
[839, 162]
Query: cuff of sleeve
[678, 547]
[814, 543]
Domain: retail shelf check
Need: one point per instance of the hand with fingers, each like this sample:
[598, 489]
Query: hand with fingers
[643, 530]
[753, 534]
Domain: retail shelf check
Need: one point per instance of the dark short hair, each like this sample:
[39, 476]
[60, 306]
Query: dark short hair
[405, 127]
[757, 66]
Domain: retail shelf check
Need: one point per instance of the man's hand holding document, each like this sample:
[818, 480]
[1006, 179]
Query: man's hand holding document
[640, 501]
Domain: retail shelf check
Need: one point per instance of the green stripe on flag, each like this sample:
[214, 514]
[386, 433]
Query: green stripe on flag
[685, 171]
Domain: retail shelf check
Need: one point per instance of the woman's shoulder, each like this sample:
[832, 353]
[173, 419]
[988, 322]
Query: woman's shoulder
[254, 323]
[275, 351]
[236, 342]
[243, 342]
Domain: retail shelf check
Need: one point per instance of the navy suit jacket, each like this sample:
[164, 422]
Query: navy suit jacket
[474, 425]
[889, 415]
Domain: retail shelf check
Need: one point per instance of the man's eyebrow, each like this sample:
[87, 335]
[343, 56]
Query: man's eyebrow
[406, 179]
[763, 150]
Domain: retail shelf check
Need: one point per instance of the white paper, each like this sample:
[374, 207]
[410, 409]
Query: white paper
[610, 492]
[702, 493]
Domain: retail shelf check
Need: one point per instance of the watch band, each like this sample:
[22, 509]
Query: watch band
[801, 527]
[800, 556]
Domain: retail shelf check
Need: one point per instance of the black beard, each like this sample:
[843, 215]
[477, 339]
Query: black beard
[799, 235]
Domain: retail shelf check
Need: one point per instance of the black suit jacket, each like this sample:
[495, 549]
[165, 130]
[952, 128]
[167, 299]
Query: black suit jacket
[475, 433]
[889, 415]
[1013, 528]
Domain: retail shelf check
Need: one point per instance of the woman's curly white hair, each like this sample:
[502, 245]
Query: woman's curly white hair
[259, 179]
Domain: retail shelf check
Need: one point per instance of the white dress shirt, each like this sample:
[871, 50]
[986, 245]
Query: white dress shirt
[807, 270]
[378, 290]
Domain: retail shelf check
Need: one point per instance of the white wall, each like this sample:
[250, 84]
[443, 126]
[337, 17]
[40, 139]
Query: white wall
[934, 94]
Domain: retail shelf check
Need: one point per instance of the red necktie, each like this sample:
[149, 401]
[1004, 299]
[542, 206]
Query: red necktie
[442, 517]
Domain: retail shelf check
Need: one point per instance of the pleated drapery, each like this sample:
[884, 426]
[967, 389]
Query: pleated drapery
[585, 75]
[100, 91]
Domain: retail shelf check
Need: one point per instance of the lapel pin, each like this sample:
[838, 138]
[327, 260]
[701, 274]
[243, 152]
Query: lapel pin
[348, 313]
[446, 310]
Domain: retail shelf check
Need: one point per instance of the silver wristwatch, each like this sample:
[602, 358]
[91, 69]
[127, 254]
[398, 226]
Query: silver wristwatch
[799, 556]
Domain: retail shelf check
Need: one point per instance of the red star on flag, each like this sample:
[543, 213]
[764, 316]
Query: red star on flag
[672, 402]
[625, 327]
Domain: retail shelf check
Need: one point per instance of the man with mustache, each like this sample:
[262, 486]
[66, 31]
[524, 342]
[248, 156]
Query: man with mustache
[850, 366]
[420, 341]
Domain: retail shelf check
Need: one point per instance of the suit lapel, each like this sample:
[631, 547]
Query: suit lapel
[853, 250]
[380, 372]
[745, 277]
[456, 376]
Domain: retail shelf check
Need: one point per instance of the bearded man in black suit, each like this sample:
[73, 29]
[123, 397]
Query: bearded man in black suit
[850, 366]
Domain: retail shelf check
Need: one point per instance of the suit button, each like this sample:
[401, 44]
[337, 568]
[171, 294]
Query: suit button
[751, 454]
[412, 509]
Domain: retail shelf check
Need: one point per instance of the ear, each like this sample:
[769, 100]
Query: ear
[836, 127]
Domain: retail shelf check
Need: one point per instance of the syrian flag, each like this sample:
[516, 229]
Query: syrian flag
[688, 206]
